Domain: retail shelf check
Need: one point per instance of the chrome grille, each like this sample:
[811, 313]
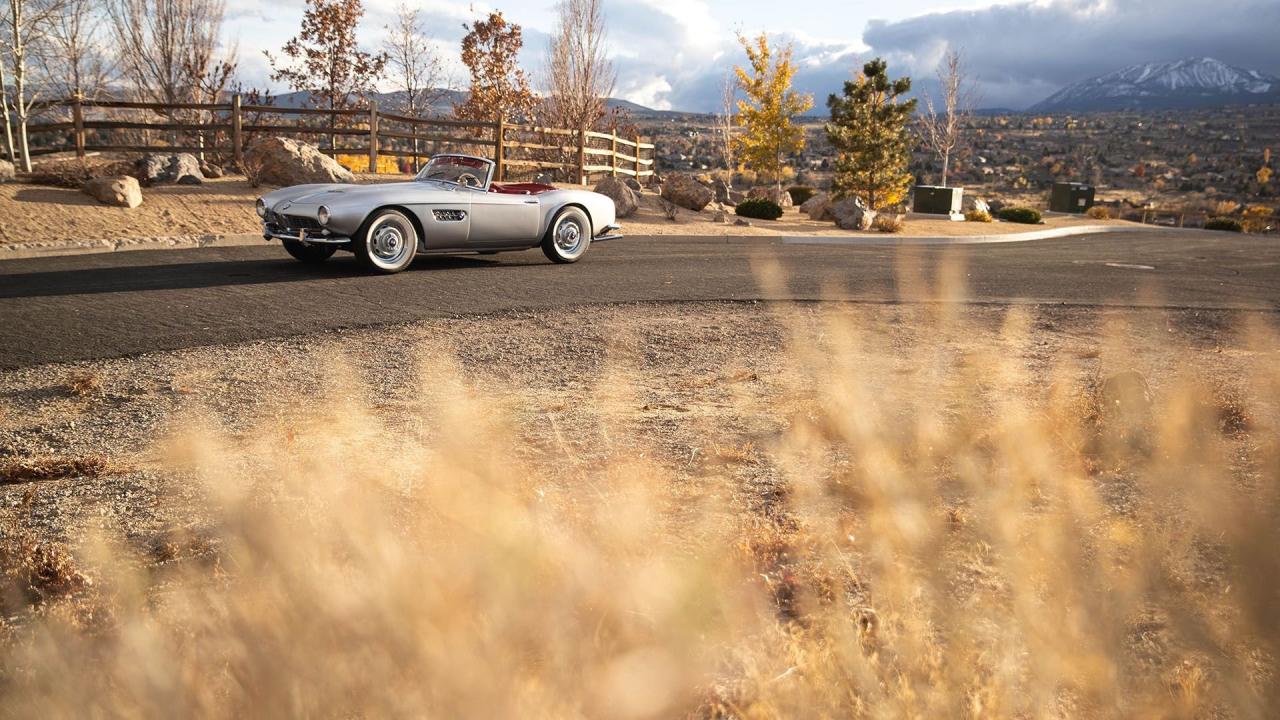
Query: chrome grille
[450, 215]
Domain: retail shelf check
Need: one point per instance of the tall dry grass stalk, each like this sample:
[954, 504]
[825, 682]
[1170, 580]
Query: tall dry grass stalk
[971, 541]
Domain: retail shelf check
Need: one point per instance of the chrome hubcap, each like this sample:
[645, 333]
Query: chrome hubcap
[568, 236]
[389, 243]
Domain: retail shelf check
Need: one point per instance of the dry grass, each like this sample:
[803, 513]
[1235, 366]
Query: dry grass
[51, 468]
[889, 223]
[1090, 547]
[1098, 212]
[84, 384]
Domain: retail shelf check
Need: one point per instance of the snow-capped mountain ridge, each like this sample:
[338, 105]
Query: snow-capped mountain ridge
[1192, 82]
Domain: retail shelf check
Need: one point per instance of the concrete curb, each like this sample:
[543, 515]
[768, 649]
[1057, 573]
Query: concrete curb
[86, 247]
[1049, 234]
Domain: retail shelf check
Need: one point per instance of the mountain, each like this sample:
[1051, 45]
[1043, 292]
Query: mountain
[444, 101]
[1189, 83]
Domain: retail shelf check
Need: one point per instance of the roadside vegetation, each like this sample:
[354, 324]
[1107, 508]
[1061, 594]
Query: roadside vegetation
[951, 523]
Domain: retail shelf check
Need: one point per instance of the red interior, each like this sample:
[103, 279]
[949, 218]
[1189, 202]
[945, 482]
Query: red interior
[520, 188]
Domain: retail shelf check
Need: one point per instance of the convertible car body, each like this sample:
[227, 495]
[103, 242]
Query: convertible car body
[452, 206]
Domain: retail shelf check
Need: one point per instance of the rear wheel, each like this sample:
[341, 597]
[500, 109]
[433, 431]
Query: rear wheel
[568, 237]
[311, 254]
[389, 242]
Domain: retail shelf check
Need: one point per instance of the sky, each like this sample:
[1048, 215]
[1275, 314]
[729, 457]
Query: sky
[676, 54]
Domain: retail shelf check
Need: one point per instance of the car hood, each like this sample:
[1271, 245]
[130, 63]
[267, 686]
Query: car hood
[313, 195]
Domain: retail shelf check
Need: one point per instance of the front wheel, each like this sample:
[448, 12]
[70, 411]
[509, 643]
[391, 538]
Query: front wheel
[313, 254]
[389, 242]
[568, 237]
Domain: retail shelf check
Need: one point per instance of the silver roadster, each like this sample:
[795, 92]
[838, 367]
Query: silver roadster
[452, 206]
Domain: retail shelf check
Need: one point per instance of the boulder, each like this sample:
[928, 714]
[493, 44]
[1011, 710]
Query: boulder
[818, 207]
[722, 191]
[211, 171]
[625, 200]
[633, 183]
[736, 198]
[285, 161]
[781, 198]
[970, 203]
[742, 222]
[687, 193]
[6, 171]
[162, 169]
[119, 190]
[852, 214]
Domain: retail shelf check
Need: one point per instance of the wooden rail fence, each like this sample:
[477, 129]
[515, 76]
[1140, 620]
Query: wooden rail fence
[226, 129]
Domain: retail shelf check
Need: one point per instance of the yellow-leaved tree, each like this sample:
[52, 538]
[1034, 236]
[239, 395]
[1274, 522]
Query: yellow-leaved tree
[767, 114]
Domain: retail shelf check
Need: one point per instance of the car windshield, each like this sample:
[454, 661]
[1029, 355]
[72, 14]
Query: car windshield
[456, 169]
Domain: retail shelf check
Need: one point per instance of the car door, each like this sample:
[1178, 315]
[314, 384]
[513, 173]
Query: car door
[503, 219]
[445, 214]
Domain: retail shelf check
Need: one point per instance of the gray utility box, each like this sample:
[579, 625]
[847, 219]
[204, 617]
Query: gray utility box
[1069, 197]
[935, 200]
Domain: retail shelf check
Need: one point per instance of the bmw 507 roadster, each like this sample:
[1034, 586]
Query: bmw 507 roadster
[452, 206]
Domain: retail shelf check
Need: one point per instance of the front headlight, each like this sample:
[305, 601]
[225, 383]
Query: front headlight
[322, 215]
[261, 207]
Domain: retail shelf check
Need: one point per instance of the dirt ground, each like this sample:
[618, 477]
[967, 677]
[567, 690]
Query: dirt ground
[36, 214]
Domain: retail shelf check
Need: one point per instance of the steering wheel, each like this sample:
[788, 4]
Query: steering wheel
[469, 180]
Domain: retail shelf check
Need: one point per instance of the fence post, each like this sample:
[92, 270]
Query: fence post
[582, 156]
[613, 160]
[237, 133]
[638, 165]
[499, 140]
[77, 119]
[373, 136]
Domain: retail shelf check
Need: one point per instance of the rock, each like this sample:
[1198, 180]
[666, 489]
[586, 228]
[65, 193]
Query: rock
[970, 203]
[655, 179]
[634, 184]
[996, 206]
[719, 217]
[211, 171]
[625, 200]
[742, 222]
[285, 161]
[851, 214]
[686, 192]
[722, 190]
[119, 190]
[781, 198]
[6, 171]
[161, 169]
[818, 207]
[736, 198]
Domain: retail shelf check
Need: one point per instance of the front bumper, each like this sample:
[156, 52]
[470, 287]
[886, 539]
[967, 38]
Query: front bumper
[302, 229]
[610, 232]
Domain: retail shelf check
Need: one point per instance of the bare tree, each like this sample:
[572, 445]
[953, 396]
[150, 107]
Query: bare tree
[77, 63]
[942, 131]
[4, 103]
[724, 121]
[419, 71]
[169, 48]
[26, 23]
[579, 75]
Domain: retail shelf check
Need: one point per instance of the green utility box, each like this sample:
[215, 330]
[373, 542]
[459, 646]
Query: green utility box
[1069, 197]
[934, 200]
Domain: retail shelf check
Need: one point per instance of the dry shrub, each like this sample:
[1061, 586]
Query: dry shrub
[962, 551]
[978, 216]
[51, 468]
[889, 223]
[669, 209]
[252, 165]
[84, 383]
[1224, 208]
[1098, 212]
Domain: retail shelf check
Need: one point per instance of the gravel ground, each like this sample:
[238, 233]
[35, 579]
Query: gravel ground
[685, 384]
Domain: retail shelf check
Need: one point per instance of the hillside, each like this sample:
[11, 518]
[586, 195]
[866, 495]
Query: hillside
[1189, 83]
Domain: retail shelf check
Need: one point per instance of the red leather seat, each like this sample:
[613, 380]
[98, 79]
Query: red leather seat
[520, 188]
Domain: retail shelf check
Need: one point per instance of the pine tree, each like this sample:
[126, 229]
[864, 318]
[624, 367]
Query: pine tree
[769, 135]
[869, 130]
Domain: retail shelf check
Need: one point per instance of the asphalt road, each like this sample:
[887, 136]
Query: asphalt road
[92, 306]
